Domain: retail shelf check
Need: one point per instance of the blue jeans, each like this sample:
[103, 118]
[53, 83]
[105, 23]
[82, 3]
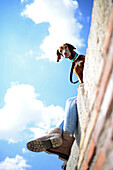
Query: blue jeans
[71, 116]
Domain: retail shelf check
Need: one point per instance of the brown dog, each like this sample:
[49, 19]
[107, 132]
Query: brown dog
[67, 51]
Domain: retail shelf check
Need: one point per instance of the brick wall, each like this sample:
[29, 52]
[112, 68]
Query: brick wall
[93, 147]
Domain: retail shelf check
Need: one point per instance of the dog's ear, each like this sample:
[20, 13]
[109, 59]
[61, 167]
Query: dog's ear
[58, 55]
[71, 47]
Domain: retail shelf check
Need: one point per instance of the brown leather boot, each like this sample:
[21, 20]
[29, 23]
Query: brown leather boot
[63, 151]
[50, 140]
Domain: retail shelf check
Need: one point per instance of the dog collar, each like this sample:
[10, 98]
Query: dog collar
[72, 60]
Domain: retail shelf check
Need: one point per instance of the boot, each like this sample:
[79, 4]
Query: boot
[63, 151]
[51, 140]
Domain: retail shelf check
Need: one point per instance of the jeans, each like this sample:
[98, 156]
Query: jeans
[71, 116]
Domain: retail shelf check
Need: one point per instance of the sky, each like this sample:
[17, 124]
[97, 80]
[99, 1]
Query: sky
[33, 86]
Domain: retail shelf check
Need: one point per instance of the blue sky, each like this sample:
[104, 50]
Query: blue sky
[34, 87]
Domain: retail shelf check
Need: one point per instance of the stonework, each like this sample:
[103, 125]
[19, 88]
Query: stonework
[93, 147]
[99, 24]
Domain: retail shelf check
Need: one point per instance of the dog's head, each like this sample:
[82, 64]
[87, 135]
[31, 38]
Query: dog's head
[66, 50]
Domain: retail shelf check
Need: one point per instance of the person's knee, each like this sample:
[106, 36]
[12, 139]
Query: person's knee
[71, 100]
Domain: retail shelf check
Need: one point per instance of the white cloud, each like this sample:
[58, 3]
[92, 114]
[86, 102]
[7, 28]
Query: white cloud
[22, 1]
[63, 25]
[17, 163]
[24, 150]
[23, 111]
[38, 132]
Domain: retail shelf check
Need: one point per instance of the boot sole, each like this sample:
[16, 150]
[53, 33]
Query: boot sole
[39, 146]
[63, 157]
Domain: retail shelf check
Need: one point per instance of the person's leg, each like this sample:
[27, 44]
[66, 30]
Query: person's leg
[71, 115]
[68, 126]
[58, 140]
[61, 125]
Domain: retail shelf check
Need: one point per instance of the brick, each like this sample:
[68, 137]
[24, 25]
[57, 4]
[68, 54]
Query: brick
[105, 78]
[89, 155]
[84, 132]
[112, 120]
[93, 99]
[88, 135]
[105, 111]
[108, 35]
[100, 160]
[84, 166]
[109, 139]
[110, 108]
[96, 134]
[98, 128]
[107, 50]
[91, 151]
[108, 165]
[91, 126]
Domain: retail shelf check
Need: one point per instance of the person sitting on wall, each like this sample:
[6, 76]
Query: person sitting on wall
[59, 140]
